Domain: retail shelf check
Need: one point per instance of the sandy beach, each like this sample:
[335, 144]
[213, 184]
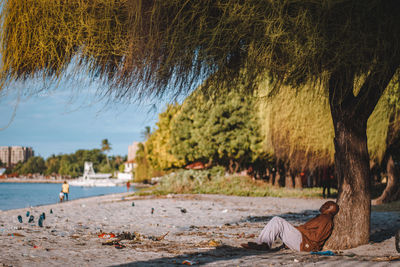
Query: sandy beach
[174, 230]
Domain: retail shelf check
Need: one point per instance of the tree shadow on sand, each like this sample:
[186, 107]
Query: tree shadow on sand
[277, 254]
[221, 253]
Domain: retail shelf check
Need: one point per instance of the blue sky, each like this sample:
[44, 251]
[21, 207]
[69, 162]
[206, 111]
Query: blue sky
[71, 116]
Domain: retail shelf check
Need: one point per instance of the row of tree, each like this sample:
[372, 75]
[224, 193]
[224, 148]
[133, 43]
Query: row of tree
[275, 138]
[71, 165]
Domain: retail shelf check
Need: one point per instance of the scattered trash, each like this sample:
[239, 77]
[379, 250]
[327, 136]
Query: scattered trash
[31, 218]
[40, 221]
[43, 215]
[83, 205]
[296, 260]
[20, 218]
[119, 246]
[16, 234]
[110, 243]
[186, 262]
[133, 204]
[183, 210]
[224, 211]
[323, 253]
[388, 258]
[126, 236]
[152, 210]
[27, 214]
[51, 211]
[158, 238]
[106, 235]
[214, 243]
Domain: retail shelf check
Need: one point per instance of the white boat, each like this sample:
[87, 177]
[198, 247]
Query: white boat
[90, 178]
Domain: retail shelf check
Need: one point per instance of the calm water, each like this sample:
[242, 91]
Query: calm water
[22, 195]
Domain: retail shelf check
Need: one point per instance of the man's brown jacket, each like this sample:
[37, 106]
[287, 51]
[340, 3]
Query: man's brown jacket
[315, 232]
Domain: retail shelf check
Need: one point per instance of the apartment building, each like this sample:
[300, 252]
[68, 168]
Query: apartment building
[132, 149]
[11, 155]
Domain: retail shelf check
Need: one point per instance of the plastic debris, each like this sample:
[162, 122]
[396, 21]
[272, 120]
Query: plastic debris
[225, 211]
[51, 211]
[323, 253]
[43, 215]
[186, 262]
[31, 218]
[183, 210]
[126, 236]
[158, 238]
[388, 258]
[106, 235]
[40, 221]
[27, 214]
[133, 204]
[16, 234]
[214, 243]
[20, 218]
[152, 210]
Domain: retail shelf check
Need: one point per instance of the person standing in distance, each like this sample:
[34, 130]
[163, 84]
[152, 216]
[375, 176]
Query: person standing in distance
[65, 190]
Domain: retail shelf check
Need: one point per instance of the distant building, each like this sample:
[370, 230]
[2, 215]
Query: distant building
[130, 164]
[11, 155]
[132, 149]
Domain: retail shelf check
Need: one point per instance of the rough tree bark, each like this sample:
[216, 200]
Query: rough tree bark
[392, 190]
[277, 177]
[350, 114]
[298, 183]
[288, 179]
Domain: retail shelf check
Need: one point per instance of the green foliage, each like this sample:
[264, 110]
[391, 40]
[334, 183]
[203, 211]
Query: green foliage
[144, 171]
[32, 165]
[215, 182]
[52, 165]
[121, 168]
[298, 128]
[218, 130]
[152, 46]
[105, 145]
[69, 164]
[158, 144]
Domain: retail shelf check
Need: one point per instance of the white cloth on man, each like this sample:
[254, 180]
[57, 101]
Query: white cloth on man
[278, 227]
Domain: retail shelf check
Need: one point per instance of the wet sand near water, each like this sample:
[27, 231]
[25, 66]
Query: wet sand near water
[174, 230]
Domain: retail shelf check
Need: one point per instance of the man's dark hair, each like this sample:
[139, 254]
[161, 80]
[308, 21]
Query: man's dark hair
[329, 207]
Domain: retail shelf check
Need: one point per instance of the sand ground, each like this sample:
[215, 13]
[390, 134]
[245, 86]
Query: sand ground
[202, 230]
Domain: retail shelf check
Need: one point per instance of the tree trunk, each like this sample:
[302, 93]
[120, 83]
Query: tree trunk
[352, 223]
[268, 176]
[231, 166]
[349, 115]
[391, 191]
[288, 179]
[277, 178]
[298, 183]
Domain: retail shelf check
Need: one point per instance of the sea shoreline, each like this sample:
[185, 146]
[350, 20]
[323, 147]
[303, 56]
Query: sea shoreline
[168, 230]
[31, 181]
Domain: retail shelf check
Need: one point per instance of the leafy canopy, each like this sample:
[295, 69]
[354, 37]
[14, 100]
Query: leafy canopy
[154, 46]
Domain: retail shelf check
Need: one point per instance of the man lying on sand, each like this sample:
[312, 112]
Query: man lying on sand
[310, 236]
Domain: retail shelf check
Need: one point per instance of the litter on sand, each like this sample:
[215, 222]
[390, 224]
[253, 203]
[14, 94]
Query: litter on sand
[106, 235]
[323, 253]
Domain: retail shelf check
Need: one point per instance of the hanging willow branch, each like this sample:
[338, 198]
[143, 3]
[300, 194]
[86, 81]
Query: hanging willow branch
[156, 46]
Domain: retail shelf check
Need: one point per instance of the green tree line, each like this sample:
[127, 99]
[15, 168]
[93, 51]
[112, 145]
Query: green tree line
[71, 165]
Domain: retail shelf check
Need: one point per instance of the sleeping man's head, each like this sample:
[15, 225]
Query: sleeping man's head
[329, 207]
